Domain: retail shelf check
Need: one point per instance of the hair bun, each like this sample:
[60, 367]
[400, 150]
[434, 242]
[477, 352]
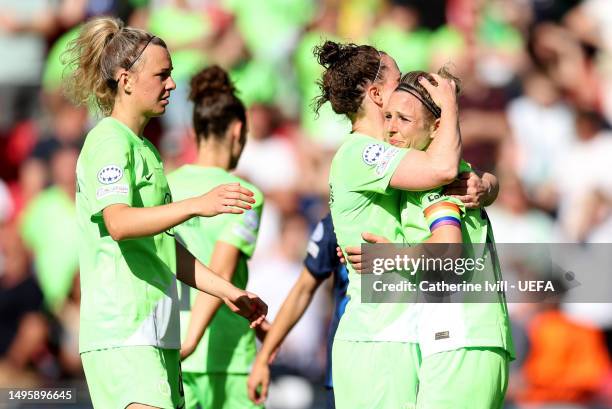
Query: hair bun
[330, 53]
[211, 81]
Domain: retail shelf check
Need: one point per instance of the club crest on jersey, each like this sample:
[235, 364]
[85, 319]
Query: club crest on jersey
[110, 174]
[372, 153]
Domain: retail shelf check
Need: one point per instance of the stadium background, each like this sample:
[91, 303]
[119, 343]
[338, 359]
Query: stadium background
[535, 110]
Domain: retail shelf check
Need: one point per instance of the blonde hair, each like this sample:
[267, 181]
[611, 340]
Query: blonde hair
[410, 83]
[104, 45]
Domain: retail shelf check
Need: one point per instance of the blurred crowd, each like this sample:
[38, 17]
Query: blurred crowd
[536, 109]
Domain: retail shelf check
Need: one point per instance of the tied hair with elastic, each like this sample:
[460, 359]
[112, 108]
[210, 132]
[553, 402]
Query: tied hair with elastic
[112, 82]
[433, 108]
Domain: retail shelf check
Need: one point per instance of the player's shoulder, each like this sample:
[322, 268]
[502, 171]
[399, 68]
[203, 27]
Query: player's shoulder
[107, 135]
[360, 152]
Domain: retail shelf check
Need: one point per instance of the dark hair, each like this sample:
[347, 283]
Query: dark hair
[348, 69]
[410, 83]
[104, 45]
[215, 102]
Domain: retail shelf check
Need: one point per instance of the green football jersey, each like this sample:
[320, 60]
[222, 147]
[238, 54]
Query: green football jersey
[449, 326]
[361, 200]
[128, 288]
[228, 345]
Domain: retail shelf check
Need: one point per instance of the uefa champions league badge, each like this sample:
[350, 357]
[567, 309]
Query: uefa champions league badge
[110, 174]
[372, 153]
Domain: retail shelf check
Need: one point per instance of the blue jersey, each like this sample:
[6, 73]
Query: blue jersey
[323, 262]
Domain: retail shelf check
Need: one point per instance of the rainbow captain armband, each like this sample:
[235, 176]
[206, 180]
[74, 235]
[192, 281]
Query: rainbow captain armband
[442, 214]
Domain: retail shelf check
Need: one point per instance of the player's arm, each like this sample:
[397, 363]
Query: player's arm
[444, 221]
[223, 263]
[197, 275]
[125, 222]
[439, 164]
[291, 311]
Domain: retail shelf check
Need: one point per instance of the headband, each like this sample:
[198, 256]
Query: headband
[111, 82]
[379, 65]
[140, 53]
[433, 108]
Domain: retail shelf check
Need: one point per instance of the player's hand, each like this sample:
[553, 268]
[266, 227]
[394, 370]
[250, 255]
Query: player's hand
[442, 91]
[354, 254]
[227, 198]
[249, 305]
[340, 255]
[470, 188]
[258, 382]
[261, 332]
[187, 348]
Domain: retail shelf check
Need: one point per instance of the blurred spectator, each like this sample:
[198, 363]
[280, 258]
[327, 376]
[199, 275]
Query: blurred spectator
[6, 203]
[543, 130]
[49, 228]
[269, 160]
[584, 182]
[187, 30]
[399, 34]
[23, 328]
[24, 26]
[567, 363]
[514, 220]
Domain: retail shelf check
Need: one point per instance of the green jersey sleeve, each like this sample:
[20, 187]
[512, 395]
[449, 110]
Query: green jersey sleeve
[244, 229]
[108, 174]
[371, 164]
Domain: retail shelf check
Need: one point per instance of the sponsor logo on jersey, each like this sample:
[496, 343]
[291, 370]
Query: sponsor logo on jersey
[110, 174]
[119, 190]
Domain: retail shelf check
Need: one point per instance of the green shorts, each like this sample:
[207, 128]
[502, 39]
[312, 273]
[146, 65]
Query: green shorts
[216, 391]
[117, 377]
[375, 375]
[466, 378]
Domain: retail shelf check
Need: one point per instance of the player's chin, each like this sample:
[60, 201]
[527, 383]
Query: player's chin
[158, 110]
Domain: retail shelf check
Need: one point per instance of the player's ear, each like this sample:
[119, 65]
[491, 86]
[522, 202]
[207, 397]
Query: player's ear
[236, 131]
[374, 91]
[434, 127]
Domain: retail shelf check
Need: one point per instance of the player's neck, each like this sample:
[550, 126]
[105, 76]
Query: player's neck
[211, 154]
[369, 123]
[135, 121]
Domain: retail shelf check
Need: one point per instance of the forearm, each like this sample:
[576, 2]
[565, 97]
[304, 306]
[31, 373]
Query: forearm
[125, 222]
[444, 152]
[204, 279]
[291, 311]
[204, 309]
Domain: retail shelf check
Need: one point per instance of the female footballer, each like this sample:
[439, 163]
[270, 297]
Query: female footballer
[366, 179]
[129, 334]
[465, 347]
[218, 347]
